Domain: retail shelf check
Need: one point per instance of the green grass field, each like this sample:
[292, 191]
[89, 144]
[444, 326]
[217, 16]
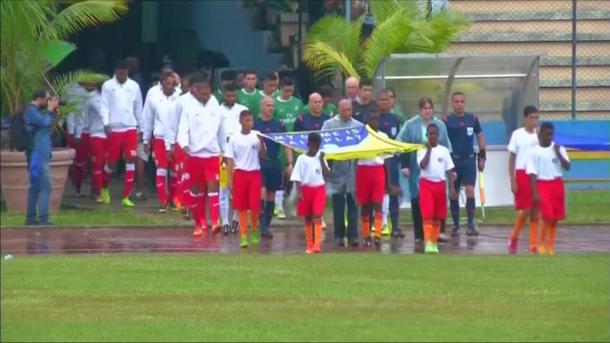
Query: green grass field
[339, 297]
[584, 207]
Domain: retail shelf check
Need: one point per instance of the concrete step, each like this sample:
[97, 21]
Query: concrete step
[556, 49]
[582, 26]
[519, 6]
[494, 16]
[579, 83]
[598, 106]
[580, 61]
[583, 94]
[472, 37]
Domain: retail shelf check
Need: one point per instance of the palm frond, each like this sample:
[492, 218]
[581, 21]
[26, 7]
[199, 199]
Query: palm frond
[326, 60]
[64, 85]
[383, 9]
[436, 34]
[85, 14]
[337, 33]
[388, 36]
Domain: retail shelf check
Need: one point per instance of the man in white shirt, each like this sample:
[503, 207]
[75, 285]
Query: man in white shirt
[121, 111]
[77, 137]
[231, 111]
[97, 141]
[201, 136]
[157, 113]
[435, 162]
[544, 166]
[521, 142]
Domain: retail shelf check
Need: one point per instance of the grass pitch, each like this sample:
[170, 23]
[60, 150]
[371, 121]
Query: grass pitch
[337, 297]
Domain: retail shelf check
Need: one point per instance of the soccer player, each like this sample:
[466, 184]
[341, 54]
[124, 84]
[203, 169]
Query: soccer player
[226, 77]
[371, 185]
[249, 96]
[389, 123]
[270, 85]
[244, 151]
[364, 103]
[157, 113]
[341, 185]
[435, 161]
[328, 107]
[97, 138]
[287, 108]
[121, 111]
[239, 80]
[271, 167]
[414, 131]
[462, 127]
[201, 136]
[544, 167]
[231, 112]
[309, 174]
[77, 137]
[521, 142]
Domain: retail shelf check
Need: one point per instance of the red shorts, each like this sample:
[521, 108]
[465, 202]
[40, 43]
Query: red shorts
[523, 198]
[312, 201]
[552, 199]
[247, 190]
[159, 153]
[126, 141]
[432, 199]
[370, 184]
[202, 170]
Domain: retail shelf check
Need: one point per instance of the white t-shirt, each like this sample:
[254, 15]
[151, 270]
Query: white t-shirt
[544, 163]
[308, 171]
[440, 162]
[521, 142]
[243, 149]
[230, 118]
[377, 160]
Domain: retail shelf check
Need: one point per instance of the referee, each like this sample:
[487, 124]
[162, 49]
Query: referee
[461, 128]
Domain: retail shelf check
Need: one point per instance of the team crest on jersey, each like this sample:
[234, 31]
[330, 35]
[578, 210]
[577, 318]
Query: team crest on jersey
[318, 171]
[254, 147]
[440, 159]
[555, 160]
[469, 130]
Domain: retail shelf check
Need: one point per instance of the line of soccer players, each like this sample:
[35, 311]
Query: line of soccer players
[209, 156]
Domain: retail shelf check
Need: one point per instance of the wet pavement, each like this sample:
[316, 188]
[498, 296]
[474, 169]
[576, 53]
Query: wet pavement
[287, 240]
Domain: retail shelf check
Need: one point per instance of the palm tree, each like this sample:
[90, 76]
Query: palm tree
[334, 45]
[32, 39]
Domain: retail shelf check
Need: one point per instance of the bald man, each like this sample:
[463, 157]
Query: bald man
[341, 185]
[351, 88]
[314, 118]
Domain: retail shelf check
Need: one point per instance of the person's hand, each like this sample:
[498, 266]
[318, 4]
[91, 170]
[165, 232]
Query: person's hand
[147, 148]
[289, 169]
[514, 187]
[481, 165]
[429, 145]
[53, 104]
[395, 190]
[107, 130]
[405, 172]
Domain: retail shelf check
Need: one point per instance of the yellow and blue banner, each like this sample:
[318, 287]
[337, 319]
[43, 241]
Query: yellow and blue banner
[345, 144]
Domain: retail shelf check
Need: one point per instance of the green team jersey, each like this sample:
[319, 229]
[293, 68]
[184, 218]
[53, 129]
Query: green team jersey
[251, 100]
[219, 95]
[329, 109]
[287, 110]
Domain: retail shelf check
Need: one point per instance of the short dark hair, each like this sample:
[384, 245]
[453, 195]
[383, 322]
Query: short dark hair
[230, 87]
[121, 64]
[529, 110]
[547, 125]
[40, 93]
[326, 91]
[249, 71]
[314, 137]
[457, 93]
[285, 82]
[383, 92]
[425, 100]
[197, 77]
[433, 126]
[271, 76]
[245, 113]
[227, 75]
[365, 82]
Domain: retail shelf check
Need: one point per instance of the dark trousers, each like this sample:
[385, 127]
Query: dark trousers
[340, 202]
[418, 223]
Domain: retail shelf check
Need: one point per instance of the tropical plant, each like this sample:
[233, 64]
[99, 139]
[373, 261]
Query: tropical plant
[334, 45]
[32, 39]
